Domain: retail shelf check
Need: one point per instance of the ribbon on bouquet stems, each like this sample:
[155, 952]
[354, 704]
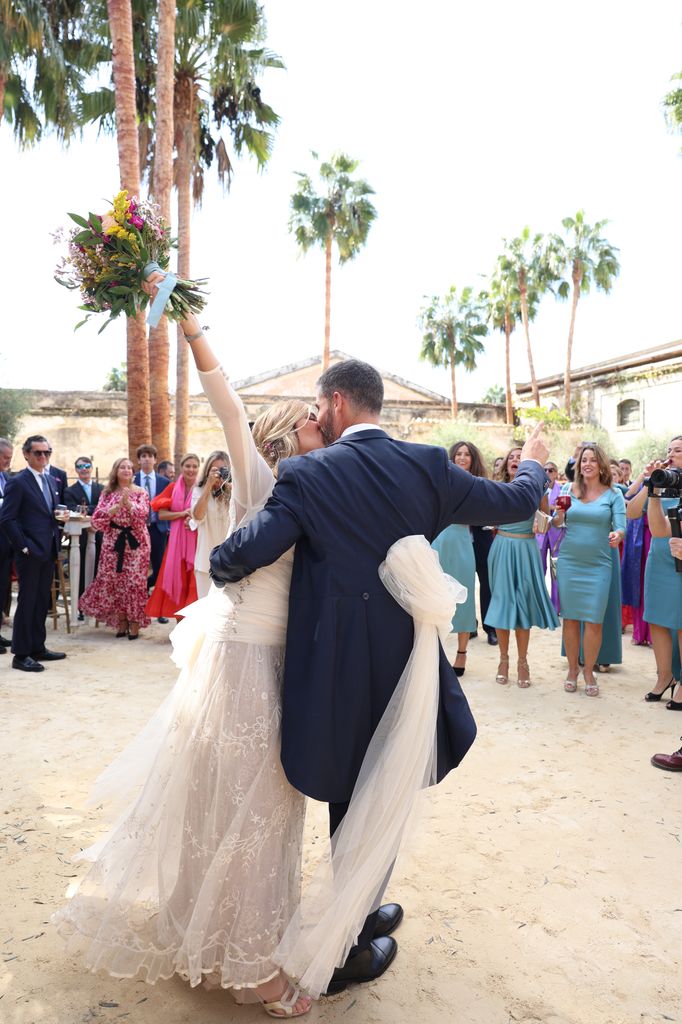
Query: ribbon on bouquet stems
[163, 294]
[400, 762]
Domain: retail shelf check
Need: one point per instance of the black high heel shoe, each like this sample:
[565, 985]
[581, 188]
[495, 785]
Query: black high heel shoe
[674, 705]
[653, 698]
[459, 672]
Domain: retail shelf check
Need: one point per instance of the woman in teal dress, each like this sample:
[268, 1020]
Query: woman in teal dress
[519, 594]
[457, 557]
[595, 527]
[662, 584]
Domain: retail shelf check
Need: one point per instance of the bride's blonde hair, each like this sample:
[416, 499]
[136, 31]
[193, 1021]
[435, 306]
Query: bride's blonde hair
[274, 431]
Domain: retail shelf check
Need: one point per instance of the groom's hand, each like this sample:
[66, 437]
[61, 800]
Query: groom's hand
[535, 447]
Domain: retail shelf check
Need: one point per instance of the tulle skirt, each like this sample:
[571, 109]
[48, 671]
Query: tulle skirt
[201, 873]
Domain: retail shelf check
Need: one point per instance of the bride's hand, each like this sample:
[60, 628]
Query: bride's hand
[151, 284]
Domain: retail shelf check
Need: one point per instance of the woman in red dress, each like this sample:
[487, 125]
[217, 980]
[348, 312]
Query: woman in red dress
[118, 593]
[175, 586]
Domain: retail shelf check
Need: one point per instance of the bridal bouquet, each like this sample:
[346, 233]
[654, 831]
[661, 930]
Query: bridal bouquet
[110, 257]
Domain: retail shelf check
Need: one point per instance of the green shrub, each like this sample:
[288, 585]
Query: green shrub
[646, 448]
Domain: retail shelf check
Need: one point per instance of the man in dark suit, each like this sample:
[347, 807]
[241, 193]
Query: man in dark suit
[85, 494]
[60, 480]
[153, 484]
[27, 518]
[6, 450]
[348, 640]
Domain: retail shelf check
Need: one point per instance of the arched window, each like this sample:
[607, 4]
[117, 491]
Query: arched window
[629, 413]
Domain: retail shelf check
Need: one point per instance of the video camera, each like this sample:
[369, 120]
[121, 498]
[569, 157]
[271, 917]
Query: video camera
[671, 481]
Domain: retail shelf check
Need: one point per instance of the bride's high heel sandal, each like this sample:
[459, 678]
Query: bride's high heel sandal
[502, 676]
[523, 679]
[285, 1006]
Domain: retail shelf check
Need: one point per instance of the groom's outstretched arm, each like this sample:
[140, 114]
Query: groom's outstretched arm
[481, 502]
[265, 539]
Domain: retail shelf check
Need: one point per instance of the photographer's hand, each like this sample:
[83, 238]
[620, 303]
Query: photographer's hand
[676, 547]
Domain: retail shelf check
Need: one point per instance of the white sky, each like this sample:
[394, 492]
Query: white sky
[470, 121]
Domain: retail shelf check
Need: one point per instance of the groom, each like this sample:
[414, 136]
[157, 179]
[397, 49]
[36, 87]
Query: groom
[348, 641]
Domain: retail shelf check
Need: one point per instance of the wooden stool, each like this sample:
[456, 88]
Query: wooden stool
[54, 611]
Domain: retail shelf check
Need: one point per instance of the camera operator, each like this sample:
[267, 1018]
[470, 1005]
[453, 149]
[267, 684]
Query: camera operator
[210, 514]
[662, 583]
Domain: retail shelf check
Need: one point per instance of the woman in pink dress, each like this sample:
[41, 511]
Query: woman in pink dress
[118, 594]
[175, 586]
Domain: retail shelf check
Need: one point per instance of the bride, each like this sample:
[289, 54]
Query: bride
[201, 873]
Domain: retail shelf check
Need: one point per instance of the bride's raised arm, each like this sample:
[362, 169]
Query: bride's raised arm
[251, 476]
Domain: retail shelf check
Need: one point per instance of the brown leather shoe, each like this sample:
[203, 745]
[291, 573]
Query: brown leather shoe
[668, 762]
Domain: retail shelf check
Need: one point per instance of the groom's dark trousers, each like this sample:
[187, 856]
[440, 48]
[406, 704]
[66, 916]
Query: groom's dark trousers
[348, 640]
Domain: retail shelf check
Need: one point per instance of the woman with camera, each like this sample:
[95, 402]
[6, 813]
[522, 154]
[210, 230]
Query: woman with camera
[210, 514]
[662, 583]
[595, 524]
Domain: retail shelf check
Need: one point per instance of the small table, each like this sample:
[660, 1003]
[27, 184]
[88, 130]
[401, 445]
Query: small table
[73, 529]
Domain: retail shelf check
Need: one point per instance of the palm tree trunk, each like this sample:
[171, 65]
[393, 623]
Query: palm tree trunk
[161, 187]
[523, 291]
[507, 349]
[183, 171]
[121, 27]
[327, 300]
[453, 401]
[3, 83]
[577, 281]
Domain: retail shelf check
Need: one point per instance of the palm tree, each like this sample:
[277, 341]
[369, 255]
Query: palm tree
[219, 58]
[162, 183]
[341, 213]
[22, 34]
[524, 259]
[672, 104]
[590, 259]
[121, 27]
[452, 329]
[504, 310]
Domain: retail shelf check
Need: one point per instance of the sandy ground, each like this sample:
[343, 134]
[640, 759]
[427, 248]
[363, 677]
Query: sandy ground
[542, 885]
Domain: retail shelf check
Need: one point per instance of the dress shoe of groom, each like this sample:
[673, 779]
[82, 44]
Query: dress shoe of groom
[364, 966]
[48, 655]
[388, 918]
[5, 643]
[27, 664]
[492, 638]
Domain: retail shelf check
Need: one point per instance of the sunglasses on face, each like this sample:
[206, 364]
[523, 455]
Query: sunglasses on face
[84, 465]
[42, 451]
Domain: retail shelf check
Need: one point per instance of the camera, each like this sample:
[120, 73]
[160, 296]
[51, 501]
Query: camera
[225, 478]
[671, 479]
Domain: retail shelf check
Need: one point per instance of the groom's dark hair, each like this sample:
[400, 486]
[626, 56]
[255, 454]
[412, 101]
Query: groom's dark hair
[358, 382]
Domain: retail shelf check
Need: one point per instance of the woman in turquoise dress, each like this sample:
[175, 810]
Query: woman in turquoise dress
[456, 553]
[595, 527]
[662, 584]
[519, 594]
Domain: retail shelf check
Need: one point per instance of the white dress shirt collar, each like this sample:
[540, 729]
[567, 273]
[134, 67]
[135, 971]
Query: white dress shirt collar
[356, 427]
[38, 476]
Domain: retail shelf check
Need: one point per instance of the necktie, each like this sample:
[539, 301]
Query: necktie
[148, 488]
[88, 492]
[47, 493]
[2, 485]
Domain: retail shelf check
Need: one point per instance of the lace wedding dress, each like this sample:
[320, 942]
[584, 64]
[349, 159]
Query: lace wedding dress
[201, 873]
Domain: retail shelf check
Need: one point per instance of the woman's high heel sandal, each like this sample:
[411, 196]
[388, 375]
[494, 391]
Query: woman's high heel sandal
[570, 685]
[502, 676]
[460, 671]
[653, 698]
[674, 705]
[523, 679]
[591, 689]
[285, 1006]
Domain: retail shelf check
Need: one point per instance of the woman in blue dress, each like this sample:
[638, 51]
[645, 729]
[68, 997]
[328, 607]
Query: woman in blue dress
[662, 584]
[595, 527]
[519, 594]
[456, 553]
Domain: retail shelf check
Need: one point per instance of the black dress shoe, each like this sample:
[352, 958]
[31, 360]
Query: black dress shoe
[48, 655]
[473, 634]
[5, 643]
[492, 639]
[365, 966]
[81, 617]
[162, 619]
[27, 664]
[3, 650]
[388, 919]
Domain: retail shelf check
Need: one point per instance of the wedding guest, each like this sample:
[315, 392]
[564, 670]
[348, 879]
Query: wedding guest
[84, 495]
[456, 553]
[595, 527]
[662, 584]
[497, 465]
[59, 477]
[176, 587]
[167, 469]
[118, 594]
[153, 483]
[6, 450]
[668, 762]
[28, 519]
[210, 515]
[617, 475]
[550, 542]
[519, 596]
[625, 471]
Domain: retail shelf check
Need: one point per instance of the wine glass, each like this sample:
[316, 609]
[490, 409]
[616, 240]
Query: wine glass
[563, 502]
[61, 513]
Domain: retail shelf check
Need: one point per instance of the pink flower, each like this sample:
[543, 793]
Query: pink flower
[136, 221]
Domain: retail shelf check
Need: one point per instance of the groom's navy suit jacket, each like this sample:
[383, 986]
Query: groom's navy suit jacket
[347, 639]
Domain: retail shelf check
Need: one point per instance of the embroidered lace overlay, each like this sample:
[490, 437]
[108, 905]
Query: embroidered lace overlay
[200, 875]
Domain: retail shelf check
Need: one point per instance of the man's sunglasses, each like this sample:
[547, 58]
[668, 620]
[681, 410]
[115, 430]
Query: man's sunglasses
[84, 465]
[42, 451]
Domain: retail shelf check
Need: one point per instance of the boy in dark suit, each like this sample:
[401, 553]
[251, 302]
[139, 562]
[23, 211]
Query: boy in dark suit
[5, 546]
[27, 518]
[85, 493]
[153, 484]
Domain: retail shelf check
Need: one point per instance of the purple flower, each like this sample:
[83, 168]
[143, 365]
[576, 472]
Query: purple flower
[136, 221]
